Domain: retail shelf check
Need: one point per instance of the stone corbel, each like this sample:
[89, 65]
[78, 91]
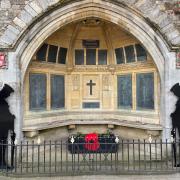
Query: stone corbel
[111, 126]
[71, 126]
[112, 68]
[154, 133]
[31, 134]
[69, 69]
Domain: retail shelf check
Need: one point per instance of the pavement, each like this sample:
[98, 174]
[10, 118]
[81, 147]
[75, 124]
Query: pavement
[103, 177]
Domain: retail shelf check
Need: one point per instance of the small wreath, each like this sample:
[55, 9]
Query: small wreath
[91, 142]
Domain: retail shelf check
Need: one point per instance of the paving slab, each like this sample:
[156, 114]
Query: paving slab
[103, 177]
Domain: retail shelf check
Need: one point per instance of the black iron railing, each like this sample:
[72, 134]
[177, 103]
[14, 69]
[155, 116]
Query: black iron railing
[61, 158]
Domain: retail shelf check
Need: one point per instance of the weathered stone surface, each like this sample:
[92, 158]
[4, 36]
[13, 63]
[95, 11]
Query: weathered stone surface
[19, 22]
[154, 10]
[36, 7]
[31, 134]
[30, 10]
[173, 34]
[72, 126]
[44, 4]
[164, 21]
[5, 4]
[176, 40]
[8, 37]
[9, 9]
[52, 2]
[13, 29]
[128, 1]
[167, 28]
[25, 17]
[144, 5]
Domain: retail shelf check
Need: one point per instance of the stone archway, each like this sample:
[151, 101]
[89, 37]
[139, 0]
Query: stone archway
[130, 21]
[115, 13]
[153, 11]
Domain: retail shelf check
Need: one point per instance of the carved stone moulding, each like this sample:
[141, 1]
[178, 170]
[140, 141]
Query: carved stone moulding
[91, 69]
[75, 82]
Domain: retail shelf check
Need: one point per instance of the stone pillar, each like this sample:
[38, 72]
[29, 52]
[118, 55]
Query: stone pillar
[172, 76]
[11, 76]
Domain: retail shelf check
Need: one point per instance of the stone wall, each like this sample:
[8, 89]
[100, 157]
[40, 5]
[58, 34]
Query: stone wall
[9, 9]
[21, 13]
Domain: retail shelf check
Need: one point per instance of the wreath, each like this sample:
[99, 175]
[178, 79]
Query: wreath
[91, 142]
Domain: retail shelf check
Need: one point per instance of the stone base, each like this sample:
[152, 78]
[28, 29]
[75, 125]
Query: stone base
[62, 133]
[31, 134]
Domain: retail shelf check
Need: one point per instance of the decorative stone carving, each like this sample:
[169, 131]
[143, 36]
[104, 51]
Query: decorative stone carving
[75, 82]
[106, 82]
[98, 68]
[112, 68]
[69, 69]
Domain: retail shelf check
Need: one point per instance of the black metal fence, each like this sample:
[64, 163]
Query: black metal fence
[59, 158]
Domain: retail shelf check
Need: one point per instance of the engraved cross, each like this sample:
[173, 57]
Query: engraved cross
[91, 84]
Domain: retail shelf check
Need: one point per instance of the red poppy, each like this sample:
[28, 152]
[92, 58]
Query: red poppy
[92, 142]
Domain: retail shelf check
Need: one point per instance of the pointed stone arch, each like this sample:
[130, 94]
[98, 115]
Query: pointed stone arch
[119, 15]
[32, 36]
[35, 9]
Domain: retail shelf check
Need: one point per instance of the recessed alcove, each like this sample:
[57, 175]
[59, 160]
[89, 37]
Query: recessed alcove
[91, 72]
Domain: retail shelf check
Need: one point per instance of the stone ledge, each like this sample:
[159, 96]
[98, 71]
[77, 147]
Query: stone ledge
[63, 112]
[67, 122]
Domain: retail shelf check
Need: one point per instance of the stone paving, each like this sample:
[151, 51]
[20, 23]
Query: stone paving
[103, 177]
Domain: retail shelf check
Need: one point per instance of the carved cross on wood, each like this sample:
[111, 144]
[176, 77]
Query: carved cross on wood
[91, 84]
